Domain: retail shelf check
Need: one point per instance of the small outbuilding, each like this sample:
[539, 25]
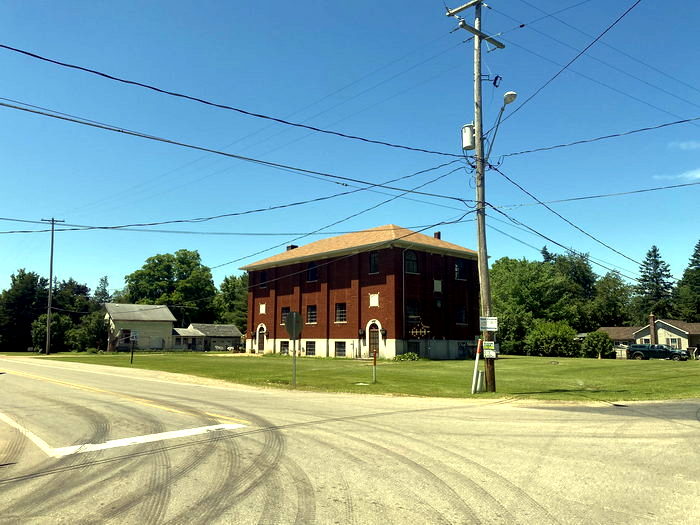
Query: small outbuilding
[146, 326]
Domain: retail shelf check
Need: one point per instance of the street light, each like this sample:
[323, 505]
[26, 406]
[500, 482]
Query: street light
[508, 97]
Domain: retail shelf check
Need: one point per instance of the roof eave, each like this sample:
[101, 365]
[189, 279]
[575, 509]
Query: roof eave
[399, 243]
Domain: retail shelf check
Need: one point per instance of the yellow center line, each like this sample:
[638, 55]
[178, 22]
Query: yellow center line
[125, 397]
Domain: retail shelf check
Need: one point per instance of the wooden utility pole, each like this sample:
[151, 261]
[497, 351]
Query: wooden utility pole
[48, 309]
[484, 282]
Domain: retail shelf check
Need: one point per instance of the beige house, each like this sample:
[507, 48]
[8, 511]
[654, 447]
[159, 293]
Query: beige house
[207, 337]
[671, 332]
[148, 326]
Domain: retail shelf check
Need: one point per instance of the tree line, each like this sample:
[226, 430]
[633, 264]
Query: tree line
[178, 280]
[542, 305]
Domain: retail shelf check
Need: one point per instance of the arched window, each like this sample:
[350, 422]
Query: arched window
[411, 262]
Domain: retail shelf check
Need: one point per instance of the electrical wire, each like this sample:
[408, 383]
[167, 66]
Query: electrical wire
[221, 106]
[604, 137]
[572, 60]
[270, 164]
[352, 216]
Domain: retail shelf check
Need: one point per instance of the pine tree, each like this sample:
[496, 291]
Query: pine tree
[547, 256]
[687, 294]
[654, 288]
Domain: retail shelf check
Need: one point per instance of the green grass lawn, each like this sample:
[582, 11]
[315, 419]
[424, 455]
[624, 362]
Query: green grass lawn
[526, 377]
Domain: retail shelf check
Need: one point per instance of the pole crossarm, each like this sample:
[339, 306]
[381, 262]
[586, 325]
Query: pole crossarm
[456, 10]
[483, 36]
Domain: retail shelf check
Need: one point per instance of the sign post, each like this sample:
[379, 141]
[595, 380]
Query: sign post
[293, 324]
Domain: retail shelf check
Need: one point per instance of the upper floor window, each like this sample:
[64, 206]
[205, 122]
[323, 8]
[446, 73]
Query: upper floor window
[263, 279]
[341, 313]
[311, 314]
[411, 262]
[461, 315]
[373, 262]
[312, 272]
[461, 270]
[285, 313]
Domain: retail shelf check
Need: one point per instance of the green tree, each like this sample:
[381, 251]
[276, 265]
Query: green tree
[73, 299]
[60, 325]
[20, 305]
[611, 306]
[547, 256]
[179, 280]
[653, 291]
[232, 301]
[687, 293]
[551, 339]
[91, 333]
[101, 294]
[597, 344]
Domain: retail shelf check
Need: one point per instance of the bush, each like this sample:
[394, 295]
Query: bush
[408, 356]
[552, 339]
[597, 344]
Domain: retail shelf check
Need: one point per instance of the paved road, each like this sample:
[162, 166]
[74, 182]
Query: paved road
[92, 444]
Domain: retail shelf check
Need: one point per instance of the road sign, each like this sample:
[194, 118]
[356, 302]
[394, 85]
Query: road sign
[490, 350]
[293, 324]
[489, 324]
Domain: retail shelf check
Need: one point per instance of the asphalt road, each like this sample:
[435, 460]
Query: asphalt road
[92, 444]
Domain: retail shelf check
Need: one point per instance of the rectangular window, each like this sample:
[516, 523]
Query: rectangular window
[410, 262]
[311, 314]
[341, 313]
[413, 315]
[126, 337]
[263, 279]
[285, 313]
[461, 315]
[284, 347]
[674, 342]
[374, 299]
[262, 309]
[340, 348]
[311, 348]
[312, 272]
[178, 341]
[437, 285]
[373, 262]
[646, 340]
[461, 270]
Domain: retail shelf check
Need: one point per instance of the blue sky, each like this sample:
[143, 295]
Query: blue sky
[387, 70]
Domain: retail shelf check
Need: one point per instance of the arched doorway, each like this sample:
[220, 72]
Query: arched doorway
[260, 340]
[373, 333]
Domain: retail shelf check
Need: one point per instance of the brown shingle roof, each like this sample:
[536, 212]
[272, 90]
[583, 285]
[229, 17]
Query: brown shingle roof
[691, 328]
[386, 236]
[620, 333]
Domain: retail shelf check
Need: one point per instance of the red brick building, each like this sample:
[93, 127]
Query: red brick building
[386, 288]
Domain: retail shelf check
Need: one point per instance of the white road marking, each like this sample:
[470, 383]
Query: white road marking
[114, 443]
[43, 445]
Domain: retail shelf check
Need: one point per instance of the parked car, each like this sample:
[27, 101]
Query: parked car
[648, 351]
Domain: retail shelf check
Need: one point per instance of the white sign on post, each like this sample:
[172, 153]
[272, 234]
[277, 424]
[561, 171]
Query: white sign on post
[490, 350]
[489, 324]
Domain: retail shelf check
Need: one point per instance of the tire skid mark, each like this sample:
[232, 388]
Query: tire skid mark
[13, 452]
[157, 495]
[240, 485]
[36, 500]
[306, 497]
[436, 515]
[271, 507]
[455, 501]
[522, 496]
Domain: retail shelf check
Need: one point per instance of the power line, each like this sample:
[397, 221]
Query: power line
[623, 53]
[222, 106]
[604, 137]
[570, 250]
[596, 239]
[136, 227]
[275, 165]
[607, 64]
[352, 216]
[572, 60]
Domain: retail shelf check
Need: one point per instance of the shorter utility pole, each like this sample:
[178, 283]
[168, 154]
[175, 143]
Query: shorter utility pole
[48, 309]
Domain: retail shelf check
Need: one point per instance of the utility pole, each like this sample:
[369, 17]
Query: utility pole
[483, 262]
[48, 309]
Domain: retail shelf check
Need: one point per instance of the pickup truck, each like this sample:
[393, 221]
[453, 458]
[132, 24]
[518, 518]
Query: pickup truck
[647, 351]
